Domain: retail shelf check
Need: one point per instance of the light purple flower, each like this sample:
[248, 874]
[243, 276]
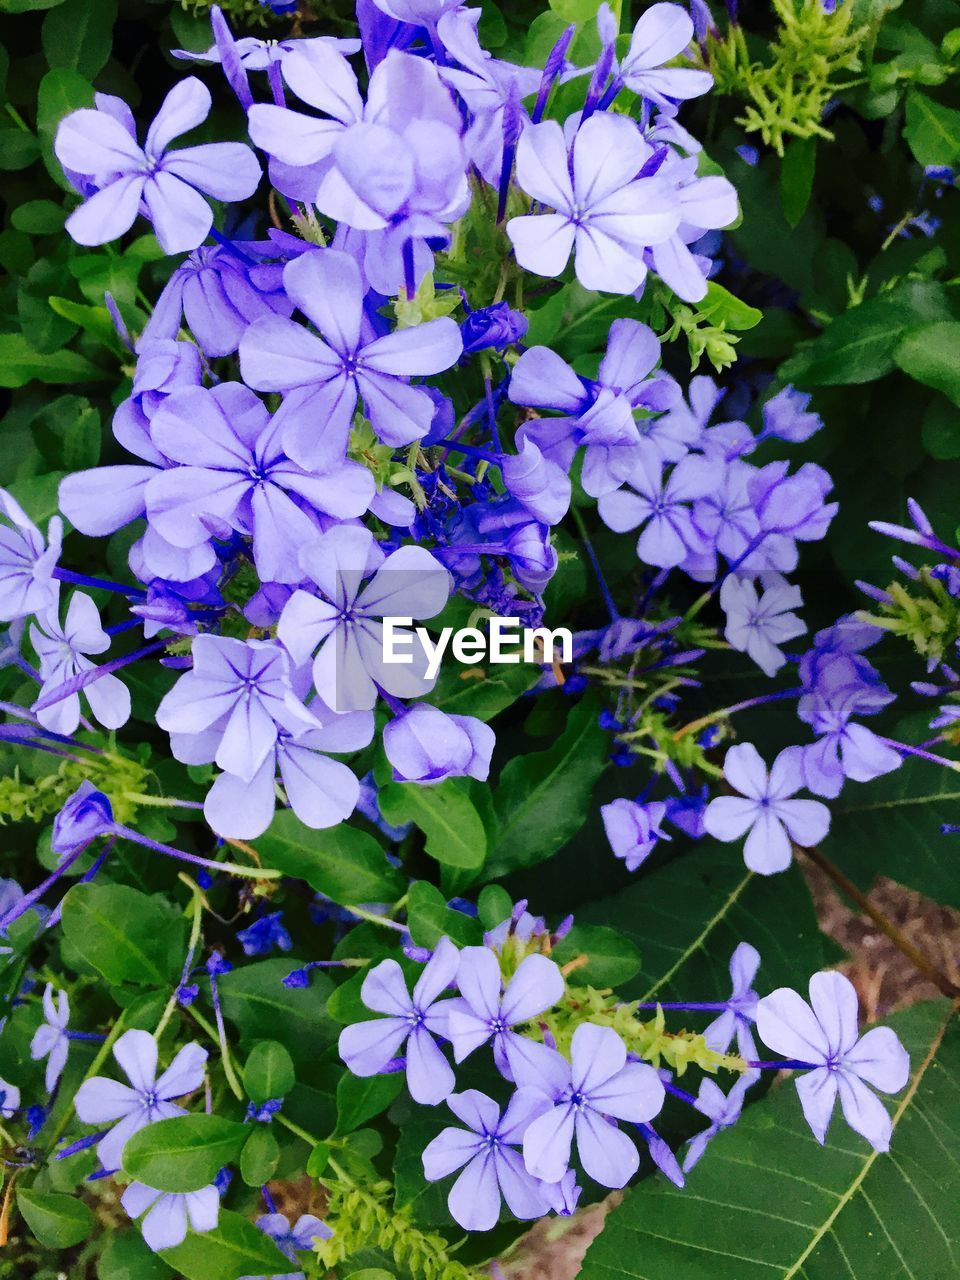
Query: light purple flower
[663, 32]
[233, 474]
[413, 1019]
[323, 377]
[484, 1012]
[722, 1110]
[27, 563]
[766, 809]
[661, 506]
[240, 692]
[50, 1040]
[342, 624]
[604, 212]
[633, 829]
[166, 1214]
[426, 745]
[741, 1011]
[62, 651]
[9, 1100]
[706, 204]
[824, 1034]
[302, 1237]
[757, 625]
[166, 184]
[590, 1093]
[145, 1100]
[785, 416]
[488, 1149]
[845, 749]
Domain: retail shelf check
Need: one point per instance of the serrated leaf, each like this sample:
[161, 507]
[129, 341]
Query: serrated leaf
[184, 1153]
[767, 1202]
[346, 864]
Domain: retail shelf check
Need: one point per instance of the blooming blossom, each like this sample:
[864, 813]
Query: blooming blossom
[301, 1237]
[663, 32]
[127, 177]
[722, 1110]
[488, 1149]
[426, 745]
[661, 506]
[823, 1035]
[741, 1008]
[412, 1019]
[766, 808]
[51, 1040]
[62, 650]
[166, 1214]
[9, 1100]
[633, 829]
[145, 1100]
[27, 562]
[757, 625]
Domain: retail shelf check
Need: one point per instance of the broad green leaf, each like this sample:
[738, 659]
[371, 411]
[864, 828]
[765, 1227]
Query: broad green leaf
[767, 1202]
[796, 178]
[123, 934]
[941, 430]
[687, 917]
[581, 11]
[61, 91]
[234, 1248]
[262, 1008]
[184, 1153]
[38, 217]
[359, 1100]
[346, 864]
[723, 307]
[58, 1221]
[78, 34]
[543, 797]
[611, 958]
[126, 1257]
[38, 495]
[18, 148]
[260, 1156]
[891, 827]
[448, 817]
[95, 320]
[493, 906]
[932, 355]
[575, 320]
[429, 918]
[268, 1072]
[426, 1201]
[482, 691]
[932, 130]
[20, 364]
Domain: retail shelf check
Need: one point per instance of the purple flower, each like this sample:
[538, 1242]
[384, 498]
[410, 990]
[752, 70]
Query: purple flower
[50, 1040]
[741, 1008]
[265, 934]
[590, 1093]
[484, 1011]
[722, 1110]
[324, 376]
[706, 204]
[233, 474]
[765, 809]
[785, 417]
[9, 1100]
[488, 1149]
[538, 482]
[756, 624]
[86, 815]
[493, 327]
[663, 32]
[166, 1214]
[27, 563]
[218, 291]
[426, 745]
[633, 829]
[234, 701]
[342, 621]
[824, 1036]
[661, 507]
[414, 1019]
[145, 1100]
[845, 749]
[603, 210]
[302, 1236]
[167, 184]
[62, 651]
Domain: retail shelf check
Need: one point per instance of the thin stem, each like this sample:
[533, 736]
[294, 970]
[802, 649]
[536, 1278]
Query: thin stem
[232, 868]
[83, 580]
[714, 716]
[601, 580]
[919, 752]
[887, 927]
[287, 1123]
[188, 962]
[372, 916]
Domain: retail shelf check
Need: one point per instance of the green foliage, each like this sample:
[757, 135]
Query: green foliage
[57, 1221]
[345, 864]
[234, 1248]
[268, 1072]
[185, 1153]
[454, 830]
[122, 934]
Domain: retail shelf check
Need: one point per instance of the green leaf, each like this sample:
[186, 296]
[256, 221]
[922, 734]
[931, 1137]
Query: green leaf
[18, 149]
[466, 692]
[259, 1157]
[581, 11]
[262, 1008]
[346, 864]
[38, 217]
[234, 1248]
[687, 917]
[78, 34]
[20, 364]
[61, 91]
[612, 959]
[768, 1203]
[932, 356]
[429, 918]
[184, 1153]
[941, 430]
[796, 178]
[359, 1100]
[268, 1072]
[126, 1257]
[123, 934]
[723, 307]
[933, 131]
[543, 797]
[445, 813]
[493, 906]
[58, 1221]
[38, 495]
[94, 320]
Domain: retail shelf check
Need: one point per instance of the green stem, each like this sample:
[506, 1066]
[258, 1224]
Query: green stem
[191, 949]
[225, 1058]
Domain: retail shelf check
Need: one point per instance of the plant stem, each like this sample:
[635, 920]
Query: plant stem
[92, 1070]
